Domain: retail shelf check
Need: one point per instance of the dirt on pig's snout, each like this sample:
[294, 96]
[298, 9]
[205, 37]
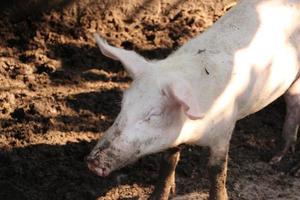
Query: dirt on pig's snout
[58, 94]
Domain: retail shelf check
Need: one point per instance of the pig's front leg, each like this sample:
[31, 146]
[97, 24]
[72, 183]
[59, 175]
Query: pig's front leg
[291, 122]
[218, 166]
[217, 174]
[166, 179]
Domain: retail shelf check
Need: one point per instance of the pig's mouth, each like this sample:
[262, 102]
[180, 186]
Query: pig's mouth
[100, 171]
[103, 169]
[105, 158]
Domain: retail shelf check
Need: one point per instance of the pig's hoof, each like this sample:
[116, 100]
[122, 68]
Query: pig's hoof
[278, 157]
[173, 190]
[159, 197]
[295, 171]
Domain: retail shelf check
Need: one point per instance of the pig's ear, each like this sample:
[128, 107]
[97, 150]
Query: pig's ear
[181, 92]
[132, 62]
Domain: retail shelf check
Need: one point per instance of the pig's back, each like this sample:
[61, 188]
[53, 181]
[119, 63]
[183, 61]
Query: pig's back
[257, 45]
[230, 33]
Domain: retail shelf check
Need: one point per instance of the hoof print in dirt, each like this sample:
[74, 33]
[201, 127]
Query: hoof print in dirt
[45, 68]
[18, 114]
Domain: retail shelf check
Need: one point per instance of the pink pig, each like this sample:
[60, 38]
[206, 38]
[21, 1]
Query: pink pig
[246, 60]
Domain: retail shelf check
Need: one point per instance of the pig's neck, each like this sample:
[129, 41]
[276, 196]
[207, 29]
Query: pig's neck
[209, 82]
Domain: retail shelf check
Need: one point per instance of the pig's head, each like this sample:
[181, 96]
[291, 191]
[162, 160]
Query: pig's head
[152, 114]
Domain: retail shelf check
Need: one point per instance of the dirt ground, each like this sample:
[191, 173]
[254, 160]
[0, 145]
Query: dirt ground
[58, 94]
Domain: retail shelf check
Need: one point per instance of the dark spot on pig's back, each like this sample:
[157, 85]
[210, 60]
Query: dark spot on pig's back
[201, 51]
[206, 71]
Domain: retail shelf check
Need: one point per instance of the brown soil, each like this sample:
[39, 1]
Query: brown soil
[58, 94]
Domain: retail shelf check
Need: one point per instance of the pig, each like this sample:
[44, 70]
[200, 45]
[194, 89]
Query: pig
[245, 61]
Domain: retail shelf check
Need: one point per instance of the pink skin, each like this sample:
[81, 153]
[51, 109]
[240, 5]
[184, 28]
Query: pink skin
[144, 127]
[166, 98]
[117, 148]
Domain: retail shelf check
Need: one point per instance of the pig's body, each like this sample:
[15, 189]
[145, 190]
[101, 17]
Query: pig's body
[250, 57]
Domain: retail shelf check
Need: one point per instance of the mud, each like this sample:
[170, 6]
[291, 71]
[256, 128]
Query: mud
[58, 94]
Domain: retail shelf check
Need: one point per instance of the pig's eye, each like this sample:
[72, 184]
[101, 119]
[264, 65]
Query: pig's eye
[153, 114]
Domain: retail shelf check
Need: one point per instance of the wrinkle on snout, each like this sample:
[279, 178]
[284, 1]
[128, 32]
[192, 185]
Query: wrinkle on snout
[104, 145]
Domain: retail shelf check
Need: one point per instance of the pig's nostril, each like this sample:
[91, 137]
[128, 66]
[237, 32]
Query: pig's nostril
[104, 171]
[95, 166]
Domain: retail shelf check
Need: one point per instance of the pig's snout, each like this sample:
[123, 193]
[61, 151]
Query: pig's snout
[95, 166]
